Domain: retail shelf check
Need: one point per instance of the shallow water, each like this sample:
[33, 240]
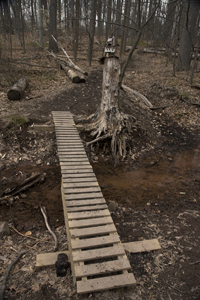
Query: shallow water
[157, 178]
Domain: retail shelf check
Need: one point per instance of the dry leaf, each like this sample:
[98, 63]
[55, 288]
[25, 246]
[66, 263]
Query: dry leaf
[28, 233]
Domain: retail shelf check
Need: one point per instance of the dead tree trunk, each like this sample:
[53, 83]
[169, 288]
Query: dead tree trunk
[108, 121]
[17, 90]
[109, 109]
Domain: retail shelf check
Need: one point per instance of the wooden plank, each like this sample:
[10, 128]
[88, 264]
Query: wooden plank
[67, 138]
[80, 184]
[89, 214]
[82, 190]
[70, 143]
[64, 147]
[83, 196]
[90, 222]
[95, 242]
[88, 207]
[73, 175]
[102, 268]
[76, 180]
[84, 166]
[104, 283]
[85, 202]
[142, 246]
[79, 160]
[66, 173]
[86, 232]
[97, 253]
[70, 152]
[47, 259]
[70, 155]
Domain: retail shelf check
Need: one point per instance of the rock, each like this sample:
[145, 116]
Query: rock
[4, 229]
[112, 205]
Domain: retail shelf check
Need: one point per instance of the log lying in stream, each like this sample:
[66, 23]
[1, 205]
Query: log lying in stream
[17, 90]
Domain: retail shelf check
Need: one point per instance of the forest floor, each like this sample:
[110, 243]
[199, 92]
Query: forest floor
[156, 187]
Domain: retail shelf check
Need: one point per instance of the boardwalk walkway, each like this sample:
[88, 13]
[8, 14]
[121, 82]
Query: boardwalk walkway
[98, 260]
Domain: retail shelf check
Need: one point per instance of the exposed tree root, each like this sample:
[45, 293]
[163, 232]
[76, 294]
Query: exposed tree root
[115, 127]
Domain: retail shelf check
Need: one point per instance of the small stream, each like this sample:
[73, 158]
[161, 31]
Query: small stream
[166, 178]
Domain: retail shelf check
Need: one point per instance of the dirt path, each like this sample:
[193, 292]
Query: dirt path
[156, 187]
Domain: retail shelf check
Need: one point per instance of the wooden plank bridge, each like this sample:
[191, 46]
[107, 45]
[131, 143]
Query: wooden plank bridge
[98, 260]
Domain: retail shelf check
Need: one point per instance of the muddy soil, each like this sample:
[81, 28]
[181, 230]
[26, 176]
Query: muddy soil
[156, 187]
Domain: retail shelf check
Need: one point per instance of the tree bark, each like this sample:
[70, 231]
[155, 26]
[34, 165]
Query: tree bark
[92, 30]
[41, 23]
[189, 33]
[53, 26]
[109, 109]
[17, 90]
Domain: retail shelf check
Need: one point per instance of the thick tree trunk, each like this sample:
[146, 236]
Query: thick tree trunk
[17, 90]
[109, 109]
[53, 26]
[188, 36]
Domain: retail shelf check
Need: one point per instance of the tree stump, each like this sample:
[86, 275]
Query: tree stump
[17, 90]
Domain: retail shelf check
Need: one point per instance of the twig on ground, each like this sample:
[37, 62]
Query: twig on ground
[195, 262]
[12, 248]
[27, 236]
[43, 210]
[3, 284]
[172, 287]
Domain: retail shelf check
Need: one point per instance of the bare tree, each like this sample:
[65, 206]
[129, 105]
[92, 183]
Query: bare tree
[53, 26]
[189, 34]
[40, 23]
[92, 30]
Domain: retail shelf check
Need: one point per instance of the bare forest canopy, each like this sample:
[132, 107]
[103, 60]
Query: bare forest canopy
[171, 24]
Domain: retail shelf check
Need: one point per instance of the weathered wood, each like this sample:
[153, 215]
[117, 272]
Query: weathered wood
[95, 242]
[85, 202]
[75, 78]
[98, 253]
[80, 184]
[47, 259]
[99, 230]
[43, 127]
[82, 190]
[17, 90]
[68, 166]
[104, 283]
[89, 214]
[102, 268]
[89, 222]
[73, 161]
[76, 180]
[86, 208]
[86, 214]
[83, 196]
[142, 246]
[73, 173]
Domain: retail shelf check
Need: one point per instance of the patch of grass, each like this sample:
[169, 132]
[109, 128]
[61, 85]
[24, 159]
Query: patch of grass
[32, 44]
[18, 120]
[142, 43]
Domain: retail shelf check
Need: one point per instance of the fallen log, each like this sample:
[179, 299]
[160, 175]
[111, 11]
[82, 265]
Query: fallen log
[33, 179]
[17, 90]
[137, 94]
[73, 75]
